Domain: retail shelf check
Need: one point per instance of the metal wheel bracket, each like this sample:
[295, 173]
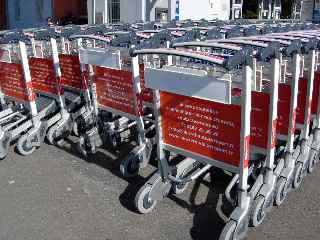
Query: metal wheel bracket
[240, 215]
[159, 189]
[267, 191]
[37, 134]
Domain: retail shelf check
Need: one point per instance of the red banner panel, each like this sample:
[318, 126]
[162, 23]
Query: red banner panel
[70, 71]
[43, 75]
[147, 95]
[115, 89]
[12, 81]
[259, 119]
[283, 108]
[315, 94]
[302, 97]
[202, 127]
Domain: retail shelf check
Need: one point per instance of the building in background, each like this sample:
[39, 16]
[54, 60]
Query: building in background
[34, 13]
[110, 11]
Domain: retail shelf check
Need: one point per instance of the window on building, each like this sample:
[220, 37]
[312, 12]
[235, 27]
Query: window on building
[161, 14]
[114, 11]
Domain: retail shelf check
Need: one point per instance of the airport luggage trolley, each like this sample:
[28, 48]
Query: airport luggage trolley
[295, 110]
[314, 151]
[75, 83]
[198, 118]
[25, 119]
[264, 164]
[117, 89]
[46, 75]
[303, 141]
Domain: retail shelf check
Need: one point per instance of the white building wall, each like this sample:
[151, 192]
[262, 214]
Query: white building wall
[159, 4]
[219, 9]
[130, 10]
[101, 11]
[208, 9]
[307, 10]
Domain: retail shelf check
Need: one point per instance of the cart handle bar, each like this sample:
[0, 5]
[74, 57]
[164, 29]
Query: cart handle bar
[265, 52]
[242, 57]
[93, 37]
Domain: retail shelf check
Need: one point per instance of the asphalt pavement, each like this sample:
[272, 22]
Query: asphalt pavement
[54, 194]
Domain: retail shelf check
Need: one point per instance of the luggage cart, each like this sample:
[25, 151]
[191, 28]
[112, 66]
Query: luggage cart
[116, 89]
[46, 76]
[263, 147]
[314, 135]
[28, 116]
[188, 115]
[304, 104]
[74, 80]
[296, 164]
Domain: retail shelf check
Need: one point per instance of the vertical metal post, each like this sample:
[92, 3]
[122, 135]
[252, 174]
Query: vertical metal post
[245, 135]
[137, 99]
[33, 45]
[27, 78]
[63, 45]
[57, 69]
[254, 74]
[307, 112]
[273, 115]
[170, 59]
[293, 101]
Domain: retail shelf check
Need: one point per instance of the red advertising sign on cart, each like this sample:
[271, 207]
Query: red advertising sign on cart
[283, 108]
[259, 119]
[315, 94]
[43, 75]
[147, 95]
[70, 71]
[202, 127]
[115, 89]
[302, 97]
[12, 81]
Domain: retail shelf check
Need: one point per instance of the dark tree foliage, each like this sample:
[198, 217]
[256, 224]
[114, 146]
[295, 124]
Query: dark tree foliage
[250, 8]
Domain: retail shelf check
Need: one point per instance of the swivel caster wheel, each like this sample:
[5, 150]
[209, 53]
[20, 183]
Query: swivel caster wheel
[75, 129]
[130, 167]
[82, 148]
[23, 147]
[298, 176]
[179, 188]
[229, 231]
[51, 135]
[258, 212]
[280, 191]
[312, 161]
[142, 200]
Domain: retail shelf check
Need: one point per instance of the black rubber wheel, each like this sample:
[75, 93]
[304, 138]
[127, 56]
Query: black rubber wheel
[280, 191]
[51, 135]
[258, 213]
[142, 201]
[312, 160]
[23, 147]
[298, 175]
[229, 231]
[129, 167]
